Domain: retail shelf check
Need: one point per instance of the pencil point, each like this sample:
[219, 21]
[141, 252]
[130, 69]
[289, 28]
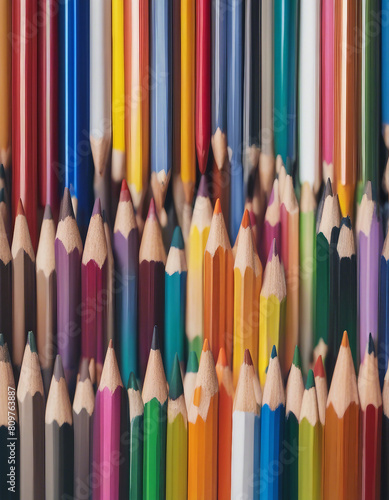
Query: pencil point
[110, 345]
[97, 207]
[345, 342]
[2, 171]
[218, 209]
[175, 387]
[58, 372]
[20, 209]
[319, 368]
[297, 358]
[66, 209]
[273, 250]
[177, 240]
[151, 212]
[247, 360]
[222, 358]
[31, 342]
[2, 195]
[193, 363]
[368, 191]
[310, 381]
[132, 382]
[245, 219]
[155, 340]
[328, 189]
[370, 345]
[206, 345]
[346, 221]
[253, 220]
[124, 192]
[203, 188]
[84, 370]
[1, 340]
[273, 352]
[48, 215]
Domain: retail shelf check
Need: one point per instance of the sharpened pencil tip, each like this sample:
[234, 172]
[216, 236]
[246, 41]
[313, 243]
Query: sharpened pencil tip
[346, 221]
[20, 209]
[247, 360]
[297, 358]
[58, 372]
[253, 220]
[370, 345]
[84, 370]
[110, 345]
[124, 192]
[218, 209]
[176, 388]
[2, 171]
[203, 188]
[155, 340]
[48, 215]
[193, 363]
[319, 368]
[368, 191]
[310, 381]
[328, 189]
[66, 209]
[132, 382]
[245, 219]
[345, 342]
[273, 352]
[97, 207]
[177, 239]
[222, 358]
[2, 195]
[273, 251]
[1, 340]
[206, 345]
[31, 342]
[151, 212]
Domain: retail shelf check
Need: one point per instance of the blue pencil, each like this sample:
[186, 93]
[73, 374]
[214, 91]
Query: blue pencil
[160, 99]
[235, 41]
[383, 325]
[175, 301]
[385, 71]
[75, 170]
[272, 425]
[219, 82]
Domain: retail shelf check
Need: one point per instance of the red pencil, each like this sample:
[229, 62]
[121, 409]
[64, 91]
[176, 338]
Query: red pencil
[93, 287]
[48, 105]
[203, 82]
[24, 111]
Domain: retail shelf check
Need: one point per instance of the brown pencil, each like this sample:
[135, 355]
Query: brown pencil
[5, 287]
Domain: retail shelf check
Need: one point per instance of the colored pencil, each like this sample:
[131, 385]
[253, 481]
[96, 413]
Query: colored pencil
[385, 72]
[31, 407]
[203, 82]
[321, 389]
[218, 287]
[272, 222]
[327, 87]
[155, 396]
[383, 320]
[246, 433]
[203, 431]
[192, 367]
[160, 100]
[272, 430]
[369, 119]
[74, 146]
[58, 437]
[272, 310]
[371, 424]
[23, 287]
[226, 399]
[294, 398]
[136, 439]
[369, 234]
[345, 104]
[46, 296]
[235, 68]
[119, 63]
[109, 426]
[307, 275]
[83, 408]
[126, 250]
[5, 287]
[341, 437]
[6, 86]
[309, 104]
[93, 286]
[266, 159]
[68, 252]
[176, 437]
[24, 112]
[5, 204]
[136, 67]
[247, 288]
[285, 80]
[385, 438]
[109, 294]
[175, 301]
[188, 98]
[290, 218]
[347, 292]
[151, 298]
[48, 133]
[9, 447]
[197, 240]
[310, 445]
[326, 240]
[178, 195]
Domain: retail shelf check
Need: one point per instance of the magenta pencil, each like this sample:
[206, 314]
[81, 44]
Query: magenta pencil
[369, 252]
[93, 286]
[152, 260]
[272, 223]
[68, 252]
[109, 453]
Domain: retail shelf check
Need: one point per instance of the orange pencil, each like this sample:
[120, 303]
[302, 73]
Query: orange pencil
[226, 400]
[203, 423]
[218, 287]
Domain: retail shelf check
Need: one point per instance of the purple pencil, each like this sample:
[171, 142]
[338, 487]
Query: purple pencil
[68, 252]
[272, 223]
[126, 253]
[109, 455]
[369, 251]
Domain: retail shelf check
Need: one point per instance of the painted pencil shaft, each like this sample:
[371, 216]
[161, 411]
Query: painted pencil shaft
[136, 440]
[385, 438]
[327, 87]
[383, 322]
[5, 86]
[385, 73]
[5, 288]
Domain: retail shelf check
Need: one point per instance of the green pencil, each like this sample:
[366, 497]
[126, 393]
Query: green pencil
[155, 414]
[136, 439]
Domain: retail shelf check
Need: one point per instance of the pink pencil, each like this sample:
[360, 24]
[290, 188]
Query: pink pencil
[272, 223]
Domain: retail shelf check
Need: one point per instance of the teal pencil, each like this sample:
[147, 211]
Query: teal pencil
[175, 301]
